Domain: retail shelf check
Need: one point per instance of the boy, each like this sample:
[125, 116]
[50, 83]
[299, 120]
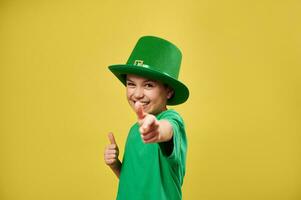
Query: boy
[153, 165]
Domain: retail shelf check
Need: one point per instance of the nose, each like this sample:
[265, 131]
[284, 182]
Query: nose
[138, 93]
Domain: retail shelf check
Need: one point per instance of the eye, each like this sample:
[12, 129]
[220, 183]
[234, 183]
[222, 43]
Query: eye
[130, 84]
[149, 85]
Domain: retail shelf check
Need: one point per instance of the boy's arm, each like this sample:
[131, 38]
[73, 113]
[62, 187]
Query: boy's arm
[111, 155]
[116, 168]
[165, 131]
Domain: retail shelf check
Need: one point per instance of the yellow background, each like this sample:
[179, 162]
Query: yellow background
[241, 62]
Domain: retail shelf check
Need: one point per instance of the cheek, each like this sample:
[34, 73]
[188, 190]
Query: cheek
[128, 93]
[149, 94]
[157, 97]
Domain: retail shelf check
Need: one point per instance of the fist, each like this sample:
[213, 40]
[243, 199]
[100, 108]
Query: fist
[111, 152]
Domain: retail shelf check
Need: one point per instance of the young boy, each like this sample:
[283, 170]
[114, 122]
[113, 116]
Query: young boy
[153, 165]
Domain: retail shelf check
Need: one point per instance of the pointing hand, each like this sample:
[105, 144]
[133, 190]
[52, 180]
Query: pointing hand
[149, 125]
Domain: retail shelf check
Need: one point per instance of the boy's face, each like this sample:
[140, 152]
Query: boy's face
[152, 94]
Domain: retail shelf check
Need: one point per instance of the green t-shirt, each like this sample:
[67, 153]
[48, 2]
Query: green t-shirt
[154, 171]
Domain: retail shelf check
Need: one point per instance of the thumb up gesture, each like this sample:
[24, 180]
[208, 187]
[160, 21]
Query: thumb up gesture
[149, 125]
[111, 152]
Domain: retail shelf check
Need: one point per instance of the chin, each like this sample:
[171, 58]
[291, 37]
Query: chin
[147, 110]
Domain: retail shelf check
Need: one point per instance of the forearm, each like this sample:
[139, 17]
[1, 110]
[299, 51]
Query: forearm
[165, 131]
[116, 168]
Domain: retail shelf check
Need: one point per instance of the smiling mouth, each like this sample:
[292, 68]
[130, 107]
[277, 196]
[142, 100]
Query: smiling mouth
[143, 103]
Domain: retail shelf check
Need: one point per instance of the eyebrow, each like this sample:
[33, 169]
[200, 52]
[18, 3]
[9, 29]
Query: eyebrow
[127, 79]
[147, 80]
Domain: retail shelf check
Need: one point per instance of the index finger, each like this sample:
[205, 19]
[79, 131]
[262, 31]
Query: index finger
[139, 110]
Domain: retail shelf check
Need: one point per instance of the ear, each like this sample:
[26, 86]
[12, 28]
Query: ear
[170, 93]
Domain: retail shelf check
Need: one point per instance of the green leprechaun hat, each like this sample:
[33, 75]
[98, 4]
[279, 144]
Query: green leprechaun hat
[157, 59]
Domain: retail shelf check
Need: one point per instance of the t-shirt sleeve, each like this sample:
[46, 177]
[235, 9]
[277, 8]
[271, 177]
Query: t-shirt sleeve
[174, 148]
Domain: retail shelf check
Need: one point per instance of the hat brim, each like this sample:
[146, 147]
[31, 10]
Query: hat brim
[181, 92]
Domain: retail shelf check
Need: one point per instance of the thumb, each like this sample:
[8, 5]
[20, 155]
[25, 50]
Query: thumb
[111, 138]
[139, 110]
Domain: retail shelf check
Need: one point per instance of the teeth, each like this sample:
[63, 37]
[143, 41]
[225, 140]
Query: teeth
[142, 103]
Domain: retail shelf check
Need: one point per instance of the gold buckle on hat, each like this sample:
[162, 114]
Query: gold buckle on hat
[138, 62]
